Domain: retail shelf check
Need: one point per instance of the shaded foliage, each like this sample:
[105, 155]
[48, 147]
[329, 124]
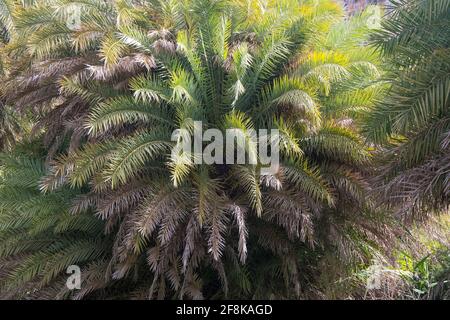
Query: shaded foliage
[412, 122]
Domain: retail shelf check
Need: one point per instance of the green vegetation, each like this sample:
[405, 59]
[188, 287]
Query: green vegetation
[89, 175]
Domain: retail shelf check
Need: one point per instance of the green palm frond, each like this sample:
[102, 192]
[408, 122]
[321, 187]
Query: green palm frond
[338, 143]
[6, 15]
[132, 153]
[308, 180]
[121, 111]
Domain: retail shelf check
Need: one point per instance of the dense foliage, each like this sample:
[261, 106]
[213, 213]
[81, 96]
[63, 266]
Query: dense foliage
[413, 121]
[91, 176]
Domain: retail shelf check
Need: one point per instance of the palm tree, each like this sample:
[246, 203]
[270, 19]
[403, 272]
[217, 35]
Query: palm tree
[108, 95]
[413, 121]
